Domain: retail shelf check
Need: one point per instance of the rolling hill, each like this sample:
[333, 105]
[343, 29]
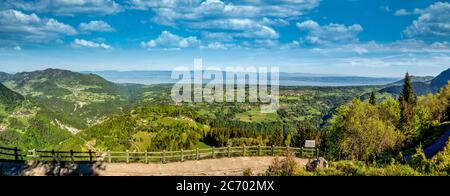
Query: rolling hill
[9, 99]
[76, 100]
[420, 88]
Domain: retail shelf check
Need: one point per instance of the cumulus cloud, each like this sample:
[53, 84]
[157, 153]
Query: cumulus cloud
[402, 12]
[328, 34]
[65, 7]
[197, 9]
[81, 43]
[433, 23]
[244, 28]
[16, 26]
[242, 19]
[274, 22]
[217, 36]
[96, 26]
[216, 46]
[171, 41]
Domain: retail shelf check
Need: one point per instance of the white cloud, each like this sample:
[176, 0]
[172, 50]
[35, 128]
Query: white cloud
[96, 26]
[216, 46]
[16, 26]
[328, 34]
[220, 36]
[243, 28]
[274, 22]
[248, 19]
[17, 48]
[168, 40]
[66, 7]
[360, 50]
[433, 23]
[197, 9]
[441, 45]
[77, 43]
[402, 12]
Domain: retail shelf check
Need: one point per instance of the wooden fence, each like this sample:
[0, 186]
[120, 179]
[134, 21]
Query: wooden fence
[147, 157]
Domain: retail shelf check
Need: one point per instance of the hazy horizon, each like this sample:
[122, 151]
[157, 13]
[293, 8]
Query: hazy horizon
[387, 39]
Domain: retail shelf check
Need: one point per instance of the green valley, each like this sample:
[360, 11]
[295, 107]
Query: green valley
[63, 110]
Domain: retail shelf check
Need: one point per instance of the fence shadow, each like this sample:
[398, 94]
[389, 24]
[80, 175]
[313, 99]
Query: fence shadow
[39, 168]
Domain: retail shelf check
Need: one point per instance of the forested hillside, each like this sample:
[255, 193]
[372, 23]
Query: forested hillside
[60, 109]
[9, 99]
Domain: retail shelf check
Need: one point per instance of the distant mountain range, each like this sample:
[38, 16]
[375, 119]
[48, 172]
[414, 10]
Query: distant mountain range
[421, 85]
[286, 79]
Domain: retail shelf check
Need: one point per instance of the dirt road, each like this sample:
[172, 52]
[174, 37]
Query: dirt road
[208, 167]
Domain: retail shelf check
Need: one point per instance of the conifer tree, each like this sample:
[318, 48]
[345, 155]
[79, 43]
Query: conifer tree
[373, 99]
[407, 102]
[407, 93]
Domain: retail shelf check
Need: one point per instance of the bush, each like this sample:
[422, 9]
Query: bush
[248, 172]
[419, 161]
[287, 166]
[358, 168]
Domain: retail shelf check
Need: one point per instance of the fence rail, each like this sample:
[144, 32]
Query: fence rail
[147, 157]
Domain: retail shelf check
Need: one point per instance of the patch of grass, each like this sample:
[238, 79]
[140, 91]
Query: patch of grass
[202, 145]
[255, 115]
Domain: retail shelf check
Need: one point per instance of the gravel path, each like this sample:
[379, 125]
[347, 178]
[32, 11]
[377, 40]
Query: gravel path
[209, 167]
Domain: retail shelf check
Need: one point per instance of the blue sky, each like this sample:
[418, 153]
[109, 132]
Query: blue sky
[345, 37]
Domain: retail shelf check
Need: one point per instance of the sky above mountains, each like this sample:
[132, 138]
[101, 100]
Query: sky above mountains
[346, 37]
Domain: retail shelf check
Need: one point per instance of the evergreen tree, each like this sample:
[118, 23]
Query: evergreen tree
[407, 93]
[373, 99]
[407, 100]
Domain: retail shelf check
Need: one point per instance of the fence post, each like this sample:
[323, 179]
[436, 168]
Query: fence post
[90, 155]
[228, 151]
[213, 153]
[164, 156]
[53, 155]
[273, 150]
[109, 156]
[146, 156]
[197, 154]
[182, 155]
[259, 150]
[71, 156]
[127, 156]
[34, 154]
[16, 154]
[243, 151]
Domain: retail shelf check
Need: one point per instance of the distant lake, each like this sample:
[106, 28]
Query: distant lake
[286, 79]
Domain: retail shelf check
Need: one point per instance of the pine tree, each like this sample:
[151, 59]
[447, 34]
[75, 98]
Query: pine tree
[407, 102]
[407, 93]
[373, 99]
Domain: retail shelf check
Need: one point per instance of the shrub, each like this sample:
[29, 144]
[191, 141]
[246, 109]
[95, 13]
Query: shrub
[287, 166]
[419, 161]
[248, 172]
